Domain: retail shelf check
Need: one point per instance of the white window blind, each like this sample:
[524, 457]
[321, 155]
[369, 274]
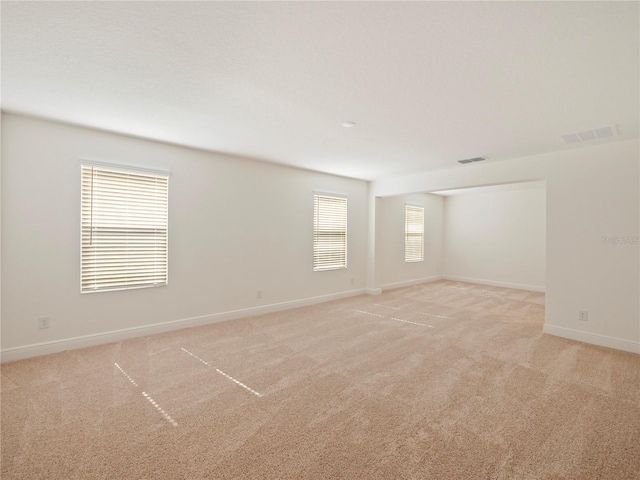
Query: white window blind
[124, 229]
[413, 233]
[329, 232]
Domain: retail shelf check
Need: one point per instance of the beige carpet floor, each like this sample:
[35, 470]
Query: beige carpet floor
[438, 381]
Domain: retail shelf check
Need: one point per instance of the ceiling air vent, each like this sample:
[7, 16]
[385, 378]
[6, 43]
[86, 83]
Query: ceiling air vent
[588, 135]
[474, 159]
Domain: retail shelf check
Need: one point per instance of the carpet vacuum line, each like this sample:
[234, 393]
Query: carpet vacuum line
[149, 399]
[238, 382]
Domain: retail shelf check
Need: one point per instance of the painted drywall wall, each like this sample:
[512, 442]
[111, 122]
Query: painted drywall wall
[592, 244]
[373, 248]
[497, 235]
[592, 193]
[394, 271]
[235, 226]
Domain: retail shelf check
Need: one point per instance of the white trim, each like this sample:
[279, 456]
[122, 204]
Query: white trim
[324, 193]
[104, 167]
[493, 283]
[125, 167]
[592, 338]
[46, 348]
[408, 283]
[327, 269]
[373, 291]
[335, 221]
[410, 253]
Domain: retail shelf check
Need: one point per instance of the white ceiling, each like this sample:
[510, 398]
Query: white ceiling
[428, 83]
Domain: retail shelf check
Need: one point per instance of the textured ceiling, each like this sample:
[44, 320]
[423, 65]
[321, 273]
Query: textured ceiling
[427, 83]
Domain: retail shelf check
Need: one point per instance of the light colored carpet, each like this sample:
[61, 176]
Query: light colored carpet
[438, 381]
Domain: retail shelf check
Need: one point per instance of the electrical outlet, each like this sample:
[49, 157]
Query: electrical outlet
[44, 322]
[583, 316]
[353, 280]
[259, 294]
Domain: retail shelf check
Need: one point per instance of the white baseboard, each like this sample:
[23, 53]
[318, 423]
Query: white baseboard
[373, 291]
[408, 283]
[492, 283]
[592, 338]
[46, 348]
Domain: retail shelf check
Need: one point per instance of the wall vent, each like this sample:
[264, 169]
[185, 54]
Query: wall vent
[588, 135]
[474, 159]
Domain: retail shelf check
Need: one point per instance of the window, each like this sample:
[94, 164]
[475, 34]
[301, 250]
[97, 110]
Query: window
[413, 233]
[124, 229]
[329, 232]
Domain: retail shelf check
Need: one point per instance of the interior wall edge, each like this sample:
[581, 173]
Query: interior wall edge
[55, 346]
[592, 338]
[409, 283]
[493, 283]
[373, 291]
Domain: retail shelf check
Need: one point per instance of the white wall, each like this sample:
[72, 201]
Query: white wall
[394, 271]
[588, 198]
[497, 236]
[592, 192]
[235, 226]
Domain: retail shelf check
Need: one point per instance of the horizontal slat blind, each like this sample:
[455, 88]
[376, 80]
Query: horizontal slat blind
[124, 229]
[329, 232]
[413, 233]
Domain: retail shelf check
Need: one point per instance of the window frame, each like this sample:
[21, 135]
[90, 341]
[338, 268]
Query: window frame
[123, 169]
[409, 249]
[343, 249]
